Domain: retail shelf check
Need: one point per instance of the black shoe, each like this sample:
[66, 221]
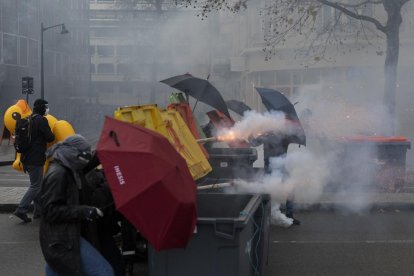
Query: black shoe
[36, 216]
[22, 216]
[296, 222]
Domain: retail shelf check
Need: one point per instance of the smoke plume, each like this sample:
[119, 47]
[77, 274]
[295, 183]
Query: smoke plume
[331, 164]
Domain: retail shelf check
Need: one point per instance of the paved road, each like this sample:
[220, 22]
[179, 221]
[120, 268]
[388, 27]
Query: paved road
[327, 243]
[20, 253]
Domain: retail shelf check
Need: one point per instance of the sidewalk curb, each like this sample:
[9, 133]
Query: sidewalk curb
[8, 207]
[6, 163]
[342, 207]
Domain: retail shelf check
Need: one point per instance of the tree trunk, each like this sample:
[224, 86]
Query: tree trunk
[391, 59]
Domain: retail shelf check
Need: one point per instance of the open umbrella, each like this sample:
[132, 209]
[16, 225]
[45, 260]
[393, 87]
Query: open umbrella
[238, 106]
[275, 100]
[200, 89]
[150, 182]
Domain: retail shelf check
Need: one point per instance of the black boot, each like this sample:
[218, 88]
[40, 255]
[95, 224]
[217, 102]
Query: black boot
[295, 221]
[22, 216]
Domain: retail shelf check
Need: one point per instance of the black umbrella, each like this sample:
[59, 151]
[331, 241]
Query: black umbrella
[238, 106]
[275, 100]
[200, 89]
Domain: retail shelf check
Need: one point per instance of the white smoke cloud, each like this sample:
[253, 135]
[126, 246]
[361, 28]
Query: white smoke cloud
[254, 124]
[338, 112]
[277, 217]
[329, 164]
[306, 177]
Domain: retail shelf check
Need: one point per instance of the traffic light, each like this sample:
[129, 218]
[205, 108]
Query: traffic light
[27, 85]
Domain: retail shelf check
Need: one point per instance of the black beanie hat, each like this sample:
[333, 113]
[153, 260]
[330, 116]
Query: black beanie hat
[39, 103]
[39, 106]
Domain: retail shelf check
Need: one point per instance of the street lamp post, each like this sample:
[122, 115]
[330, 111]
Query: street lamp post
[42, 73]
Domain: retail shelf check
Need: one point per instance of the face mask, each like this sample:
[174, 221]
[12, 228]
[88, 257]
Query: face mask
[84, 156]
[47, 111]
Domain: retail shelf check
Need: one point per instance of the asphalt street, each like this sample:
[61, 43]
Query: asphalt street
[20, 253]
[327, 243]
[333, 243]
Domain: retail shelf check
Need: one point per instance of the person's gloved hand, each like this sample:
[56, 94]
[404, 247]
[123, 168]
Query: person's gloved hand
[92, 213]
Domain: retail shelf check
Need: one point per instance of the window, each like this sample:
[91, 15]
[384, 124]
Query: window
[267, 79]
[106, 68]
[296, 77]
[124, 69]
[33, 53]
[9, 15]
[23, 51]
[105, 51]
[125, 88]
[10, 49]
[100, 32]
[58, 64]
[124, 50]
[311, 76]
[283, 78]
[49, 64]
[92, 50]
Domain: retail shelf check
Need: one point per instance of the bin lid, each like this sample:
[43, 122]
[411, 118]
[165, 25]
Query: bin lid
[366, 138]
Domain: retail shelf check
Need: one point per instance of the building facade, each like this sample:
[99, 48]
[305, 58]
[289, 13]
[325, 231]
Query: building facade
[134, 47]
[355, 72]
[288, 73]
[66, 58]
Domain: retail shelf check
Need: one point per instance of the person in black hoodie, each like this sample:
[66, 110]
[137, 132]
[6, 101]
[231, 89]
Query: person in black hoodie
[64, 246]
[34, 159]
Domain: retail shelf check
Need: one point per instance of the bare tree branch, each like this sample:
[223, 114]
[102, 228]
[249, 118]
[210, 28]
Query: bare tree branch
[355, 15]
[360, 4]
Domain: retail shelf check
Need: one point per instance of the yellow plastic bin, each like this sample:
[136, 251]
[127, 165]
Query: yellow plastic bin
[170, 124]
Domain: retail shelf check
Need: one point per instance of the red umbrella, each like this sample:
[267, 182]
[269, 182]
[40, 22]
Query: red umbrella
[150, 182]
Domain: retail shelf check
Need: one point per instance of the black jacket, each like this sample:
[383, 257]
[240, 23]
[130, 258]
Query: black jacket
[40, 136]
[273, 145]
[60, 225]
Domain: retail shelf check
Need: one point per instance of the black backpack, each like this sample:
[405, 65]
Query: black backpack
[23, 134]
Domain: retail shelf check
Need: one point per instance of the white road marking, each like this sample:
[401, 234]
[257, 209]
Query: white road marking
[16, 242]
[347, 242]
[12, 179]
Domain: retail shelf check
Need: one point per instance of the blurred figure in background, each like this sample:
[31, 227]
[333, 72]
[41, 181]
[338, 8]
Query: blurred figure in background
[276, 145]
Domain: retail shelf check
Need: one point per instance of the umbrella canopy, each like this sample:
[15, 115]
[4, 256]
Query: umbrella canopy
[238, 106]
[275, 100]
[150, 182]
[200, 89]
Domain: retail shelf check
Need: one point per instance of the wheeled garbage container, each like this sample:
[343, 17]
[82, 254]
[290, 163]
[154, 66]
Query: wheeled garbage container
[230, 163]
[231, 239]
[377, 160]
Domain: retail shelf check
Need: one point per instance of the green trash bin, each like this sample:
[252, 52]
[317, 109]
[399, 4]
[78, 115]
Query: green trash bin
[231, 239]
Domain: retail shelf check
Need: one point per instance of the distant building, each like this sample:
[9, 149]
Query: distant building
[134, 47]
[356, 71]
[66, 59]
[288, 74]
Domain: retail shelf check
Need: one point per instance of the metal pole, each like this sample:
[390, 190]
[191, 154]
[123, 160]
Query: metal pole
[42, 73]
